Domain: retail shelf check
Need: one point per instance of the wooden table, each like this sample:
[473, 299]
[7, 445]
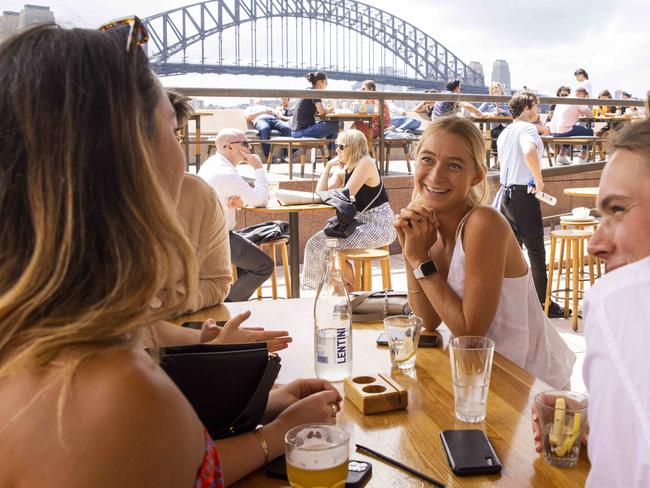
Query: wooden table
[412, 435]
[196, 117]
[294, 232]
[591, 191]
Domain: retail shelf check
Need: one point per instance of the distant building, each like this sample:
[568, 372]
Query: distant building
[501, 73]
[30, 15]
[477, 66]
[8, 24]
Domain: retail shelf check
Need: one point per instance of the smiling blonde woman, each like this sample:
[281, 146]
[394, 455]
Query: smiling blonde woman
[463, 264]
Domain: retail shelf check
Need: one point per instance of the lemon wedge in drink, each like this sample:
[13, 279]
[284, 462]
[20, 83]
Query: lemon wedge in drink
[407, 350]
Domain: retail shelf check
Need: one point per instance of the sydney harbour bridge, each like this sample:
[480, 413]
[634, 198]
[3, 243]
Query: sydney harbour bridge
[347, 39]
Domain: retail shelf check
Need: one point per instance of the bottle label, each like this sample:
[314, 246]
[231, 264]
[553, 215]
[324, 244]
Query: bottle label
[332, 346]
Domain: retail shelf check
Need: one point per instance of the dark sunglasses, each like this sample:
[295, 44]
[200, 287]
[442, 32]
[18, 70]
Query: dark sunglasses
[341, 146]
[243, 143]
[132, 26]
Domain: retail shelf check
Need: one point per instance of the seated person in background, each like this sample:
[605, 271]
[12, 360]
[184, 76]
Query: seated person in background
[626, 111]
[442, 109]
[265, 119]
[563, 91]
[605, 111]
[364, 127]
[492, 108]
[204, 222]
[452, 276]
[400, 122]
[616, 369]
[254, 266]
[425, 109]
[285, 109]
[354, 169]
[75, 374]
[565, 124]
[303, 123]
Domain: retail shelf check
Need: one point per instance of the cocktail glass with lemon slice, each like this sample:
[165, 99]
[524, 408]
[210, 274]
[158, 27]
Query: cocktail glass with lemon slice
[403, 335]
[563, 416]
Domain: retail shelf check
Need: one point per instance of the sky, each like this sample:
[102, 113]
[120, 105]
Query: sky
[543, 42]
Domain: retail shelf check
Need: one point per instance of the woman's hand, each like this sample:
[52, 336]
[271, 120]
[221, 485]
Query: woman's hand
[285, 396]
[320, 405]
[417, 228]
[232, 333]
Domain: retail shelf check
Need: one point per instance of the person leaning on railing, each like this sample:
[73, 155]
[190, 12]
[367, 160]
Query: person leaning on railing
[453, 276]
[89, 235]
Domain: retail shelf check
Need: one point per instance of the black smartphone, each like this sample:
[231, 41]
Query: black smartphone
[428, 340]
[198, 324]
[470, 452]
[359, 472]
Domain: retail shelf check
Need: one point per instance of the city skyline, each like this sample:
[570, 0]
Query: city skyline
[543, 46]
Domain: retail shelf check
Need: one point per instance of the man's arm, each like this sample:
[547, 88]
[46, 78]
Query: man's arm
[253, 114]
[255, 196]
[532, 161]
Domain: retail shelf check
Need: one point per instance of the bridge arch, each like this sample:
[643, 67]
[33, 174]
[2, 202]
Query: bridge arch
[425, 61]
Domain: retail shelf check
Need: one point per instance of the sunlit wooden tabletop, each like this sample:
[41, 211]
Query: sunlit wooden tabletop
[590, 191]
[412, 435]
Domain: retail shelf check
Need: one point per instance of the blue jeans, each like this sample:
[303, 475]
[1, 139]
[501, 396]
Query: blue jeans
[576, 130]
[266, 125]
[319, 130]
[404, 123]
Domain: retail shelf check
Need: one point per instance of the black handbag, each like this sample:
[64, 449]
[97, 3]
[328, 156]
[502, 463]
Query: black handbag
[227, 384]
[335, 227]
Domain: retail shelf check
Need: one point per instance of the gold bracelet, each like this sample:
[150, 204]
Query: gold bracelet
[414, 291]
[265, 448]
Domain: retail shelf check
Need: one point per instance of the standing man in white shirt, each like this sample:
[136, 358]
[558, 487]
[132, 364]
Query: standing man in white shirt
[520, 151]
[617, 320]
[254, 266]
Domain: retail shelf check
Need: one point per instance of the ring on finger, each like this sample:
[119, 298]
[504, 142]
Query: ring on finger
[334, 410]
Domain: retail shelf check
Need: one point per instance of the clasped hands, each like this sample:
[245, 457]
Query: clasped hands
[417, 230]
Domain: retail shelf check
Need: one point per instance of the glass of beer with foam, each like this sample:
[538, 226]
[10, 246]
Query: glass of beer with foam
[317, 456]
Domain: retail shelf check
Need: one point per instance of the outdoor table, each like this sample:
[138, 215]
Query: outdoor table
[591, 191]
[294, 233]
[412, 436]
[196, 117]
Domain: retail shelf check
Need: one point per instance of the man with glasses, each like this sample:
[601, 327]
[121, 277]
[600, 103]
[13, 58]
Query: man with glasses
[254, 266]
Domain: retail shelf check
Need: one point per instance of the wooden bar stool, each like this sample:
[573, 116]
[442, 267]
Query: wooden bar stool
[271, 248]
[575, 239]
[587, 224]
[363, 259]
[405, 144]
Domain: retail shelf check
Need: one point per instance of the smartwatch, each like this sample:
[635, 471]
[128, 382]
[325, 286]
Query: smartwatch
[425, 269]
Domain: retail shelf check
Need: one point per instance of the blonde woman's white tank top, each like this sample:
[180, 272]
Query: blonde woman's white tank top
[520, 329]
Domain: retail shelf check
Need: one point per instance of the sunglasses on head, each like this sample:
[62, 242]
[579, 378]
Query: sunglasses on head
[341, 146]
[135, 30]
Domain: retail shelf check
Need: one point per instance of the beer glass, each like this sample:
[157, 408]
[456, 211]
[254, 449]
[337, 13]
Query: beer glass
[317, 456]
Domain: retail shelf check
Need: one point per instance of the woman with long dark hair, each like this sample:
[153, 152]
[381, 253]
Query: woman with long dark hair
[89, 236]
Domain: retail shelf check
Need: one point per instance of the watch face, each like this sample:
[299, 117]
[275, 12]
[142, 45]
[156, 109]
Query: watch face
[428, 268]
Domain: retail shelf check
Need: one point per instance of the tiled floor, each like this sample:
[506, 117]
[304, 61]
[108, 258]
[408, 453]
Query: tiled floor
[575, 340]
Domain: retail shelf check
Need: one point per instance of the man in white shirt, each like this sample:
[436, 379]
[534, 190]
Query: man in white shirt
[565, 124]
[520, 151]
[254, 266]
[582, 81]
[617, 320]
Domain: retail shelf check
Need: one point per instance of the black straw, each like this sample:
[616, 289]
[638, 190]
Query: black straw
[404, 467]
